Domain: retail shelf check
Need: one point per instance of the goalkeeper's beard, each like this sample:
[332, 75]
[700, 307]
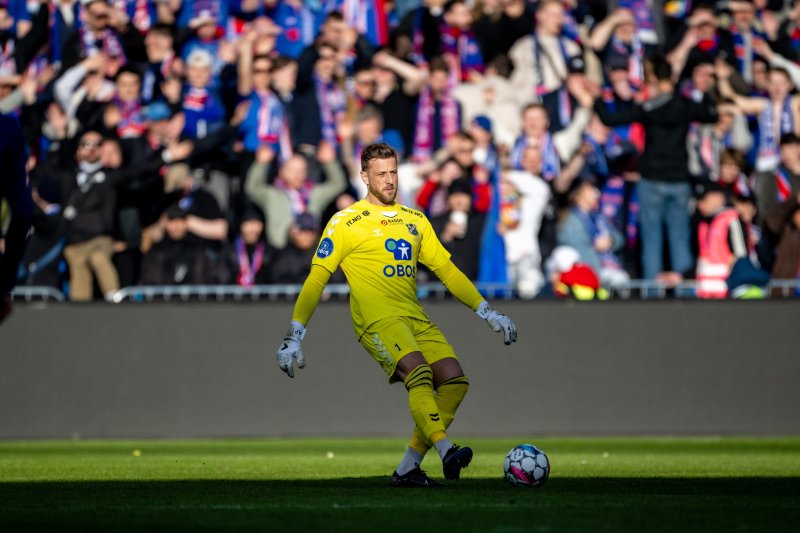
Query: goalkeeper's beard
[385, 196]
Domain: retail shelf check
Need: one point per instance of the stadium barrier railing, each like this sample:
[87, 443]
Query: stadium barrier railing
[633, 290]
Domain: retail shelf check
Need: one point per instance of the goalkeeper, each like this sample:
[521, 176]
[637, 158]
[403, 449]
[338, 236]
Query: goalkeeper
[378, 243]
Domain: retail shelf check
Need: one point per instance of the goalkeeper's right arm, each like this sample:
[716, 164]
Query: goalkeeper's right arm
[290, 349]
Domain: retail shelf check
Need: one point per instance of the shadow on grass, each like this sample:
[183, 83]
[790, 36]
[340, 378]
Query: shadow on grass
[359, 504]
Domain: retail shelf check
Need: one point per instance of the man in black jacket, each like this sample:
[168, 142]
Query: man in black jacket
[89, 193]
[664, 189]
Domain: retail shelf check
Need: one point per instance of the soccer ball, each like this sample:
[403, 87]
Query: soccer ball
[526, 466]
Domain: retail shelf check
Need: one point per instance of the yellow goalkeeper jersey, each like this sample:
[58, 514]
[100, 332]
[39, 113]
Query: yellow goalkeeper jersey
[378, 249]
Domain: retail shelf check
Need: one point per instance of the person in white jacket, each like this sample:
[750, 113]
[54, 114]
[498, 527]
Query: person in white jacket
[524, 198]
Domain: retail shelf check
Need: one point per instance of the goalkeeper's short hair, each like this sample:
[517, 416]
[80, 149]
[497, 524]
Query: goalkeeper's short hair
[376, 151]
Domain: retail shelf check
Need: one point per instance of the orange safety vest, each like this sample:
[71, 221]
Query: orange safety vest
[715, 255]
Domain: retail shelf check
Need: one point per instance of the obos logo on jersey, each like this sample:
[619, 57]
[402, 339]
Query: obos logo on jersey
[325, 248]
[401, 251]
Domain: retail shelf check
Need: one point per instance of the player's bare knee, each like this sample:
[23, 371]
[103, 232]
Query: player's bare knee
[407, 363]
[446, 370]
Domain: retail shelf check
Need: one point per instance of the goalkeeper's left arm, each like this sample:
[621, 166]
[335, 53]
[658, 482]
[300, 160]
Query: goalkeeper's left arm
[463, 289]
[290, 349]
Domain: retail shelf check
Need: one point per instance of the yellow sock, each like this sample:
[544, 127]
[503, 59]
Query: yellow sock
[423, 407]
[449, 395]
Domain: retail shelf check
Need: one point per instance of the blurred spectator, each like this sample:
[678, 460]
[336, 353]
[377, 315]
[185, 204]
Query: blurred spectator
[420, 31]
[397, 84]
[786, 40]
[540, 59]
[178, 259]
[780, 186]
[83, 89]
[432, 196]
[265, 122]
[570, 278]
[300, 23]
[615, 40]
[204, 219]
[721, 241]
[707, 142]
[613, 163]
[588, 231]
[161, 61]
[202, 107]
[460, 227]
[250, 255]
[554, 148]
[14, 191]
[459, 162]
[438, 112]
[104, 30]
[351, 49]
[739, 41]
[501, 24]
[492, 96]
[459, 43]
[699, 43]
[19, 48]
[731, 174]
[89, 192]
[292, 194]
[664, 189]
[523, 198]
[42, 263]
[292, 263]
[784, 222]
[207, 37]
[370, 18]
[283, 79]
[123, 115]
[319, 101]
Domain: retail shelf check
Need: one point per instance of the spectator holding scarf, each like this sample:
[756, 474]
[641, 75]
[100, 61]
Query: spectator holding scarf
[540, 59]
[292, 193]
[438, 112]
[459, 41]
[265, 121]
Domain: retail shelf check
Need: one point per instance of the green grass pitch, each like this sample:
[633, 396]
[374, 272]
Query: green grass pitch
[596, 484]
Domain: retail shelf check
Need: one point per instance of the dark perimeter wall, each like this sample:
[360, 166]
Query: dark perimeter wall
[184, 370]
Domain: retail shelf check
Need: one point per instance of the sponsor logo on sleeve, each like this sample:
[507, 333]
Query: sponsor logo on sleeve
[325, 248]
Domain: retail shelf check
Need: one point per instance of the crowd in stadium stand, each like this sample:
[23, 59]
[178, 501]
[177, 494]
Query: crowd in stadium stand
[562, 146]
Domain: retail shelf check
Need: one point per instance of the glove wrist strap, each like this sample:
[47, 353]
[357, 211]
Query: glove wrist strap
[296, 330]
[484, 309]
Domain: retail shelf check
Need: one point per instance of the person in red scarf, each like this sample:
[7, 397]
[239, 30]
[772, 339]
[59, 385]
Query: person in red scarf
[124, 113]
[249, 255]
[459, 41]
[438, 112]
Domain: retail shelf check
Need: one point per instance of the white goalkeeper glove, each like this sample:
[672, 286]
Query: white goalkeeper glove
[498, 322]
[290, 349]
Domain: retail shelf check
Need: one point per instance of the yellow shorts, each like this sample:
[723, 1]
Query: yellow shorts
[388, 340]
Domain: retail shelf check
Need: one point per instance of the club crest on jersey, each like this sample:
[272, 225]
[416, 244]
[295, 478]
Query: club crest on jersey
[400, 248]
[412, 229]
[325, 248]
